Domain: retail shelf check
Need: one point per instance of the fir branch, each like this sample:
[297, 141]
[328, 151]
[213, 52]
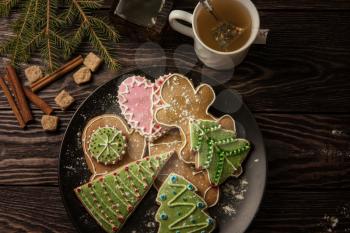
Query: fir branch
[67, 17]
[38, 29]
[35, 41]
[48, 50]
[104, 28]
[100, 44]
[56, 46]
[7, 5]
[36, 13]
[79, 35]
[90, 4]
[96, 32]
[15, 46]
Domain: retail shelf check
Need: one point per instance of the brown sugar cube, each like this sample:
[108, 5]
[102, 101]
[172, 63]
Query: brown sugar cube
[49, 123]
[64, 100]
[83, 75]
[92, 61]
[33, 73]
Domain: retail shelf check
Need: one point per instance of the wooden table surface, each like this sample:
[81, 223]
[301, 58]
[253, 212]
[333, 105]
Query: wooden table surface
[297, 86]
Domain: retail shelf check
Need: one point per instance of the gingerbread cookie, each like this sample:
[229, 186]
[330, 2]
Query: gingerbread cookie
[169, 142]
[172, 141]
[138, 99]
[118, 132]
[181, 209]
[107, 145]
[218, 150]
[112, 198]
[183, 103]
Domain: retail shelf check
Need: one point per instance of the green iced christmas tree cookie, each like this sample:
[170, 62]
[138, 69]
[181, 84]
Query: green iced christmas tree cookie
[107, 145]
[219, 151]
[181, 209]
[112, 198]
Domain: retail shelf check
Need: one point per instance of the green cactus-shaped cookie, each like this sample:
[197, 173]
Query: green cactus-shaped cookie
[107, 145]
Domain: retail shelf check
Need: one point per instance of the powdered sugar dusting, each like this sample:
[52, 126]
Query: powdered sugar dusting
[232, 193]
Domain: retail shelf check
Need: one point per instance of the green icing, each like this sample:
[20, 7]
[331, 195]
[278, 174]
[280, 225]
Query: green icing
[181, 211]
[107, 145]
[112, 198]
[219, 151]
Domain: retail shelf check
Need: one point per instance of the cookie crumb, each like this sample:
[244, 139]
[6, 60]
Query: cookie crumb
[330, 223]
[229, 210]
[239, 197]
[229, 189]
[244, 182]
[151, 224]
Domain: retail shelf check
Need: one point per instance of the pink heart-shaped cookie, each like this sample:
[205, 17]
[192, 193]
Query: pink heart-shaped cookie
[138, 99]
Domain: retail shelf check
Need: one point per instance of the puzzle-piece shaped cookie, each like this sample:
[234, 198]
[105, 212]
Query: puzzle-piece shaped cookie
[135, 149]
[183, 103]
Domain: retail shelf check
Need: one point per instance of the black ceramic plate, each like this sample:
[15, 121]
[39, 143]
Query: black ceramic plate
[240, 198]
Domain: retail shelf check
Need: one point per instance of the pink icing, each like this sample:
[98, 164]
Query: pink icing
[138, 100]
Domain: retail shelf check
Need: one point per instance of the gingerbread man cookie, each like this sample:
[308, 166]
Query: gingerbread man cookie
[108, 143]
[182, 104]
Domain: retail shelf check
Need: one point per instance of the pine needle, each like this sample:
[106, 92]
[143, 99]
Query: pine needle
[16, 47]
[41, 29]
[7, 5]
[98, 32]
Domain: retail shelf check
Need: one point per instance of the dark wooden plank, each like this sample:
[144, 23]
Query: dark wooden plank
[297, 211]
[273, 80]
[304, 151]
[307, 151]
[303, 68]
[33, 209]
[289, 29]
[280, 80]
[39, 209]
[272, 4]
[282, 4]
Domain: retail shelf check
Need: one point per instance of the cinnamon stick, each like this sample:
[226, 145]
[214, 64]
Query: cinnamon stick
[12, 103]
[37, 101]
[17, 89]
[69, 66]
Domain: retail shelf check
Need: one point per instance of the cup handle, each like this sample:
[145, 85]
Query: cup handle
[261, 36]
[176, 15]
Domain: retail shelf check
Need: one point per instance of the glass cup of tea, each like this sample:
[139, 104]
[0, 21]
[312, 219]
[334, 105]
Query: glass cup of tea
[241, 13]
